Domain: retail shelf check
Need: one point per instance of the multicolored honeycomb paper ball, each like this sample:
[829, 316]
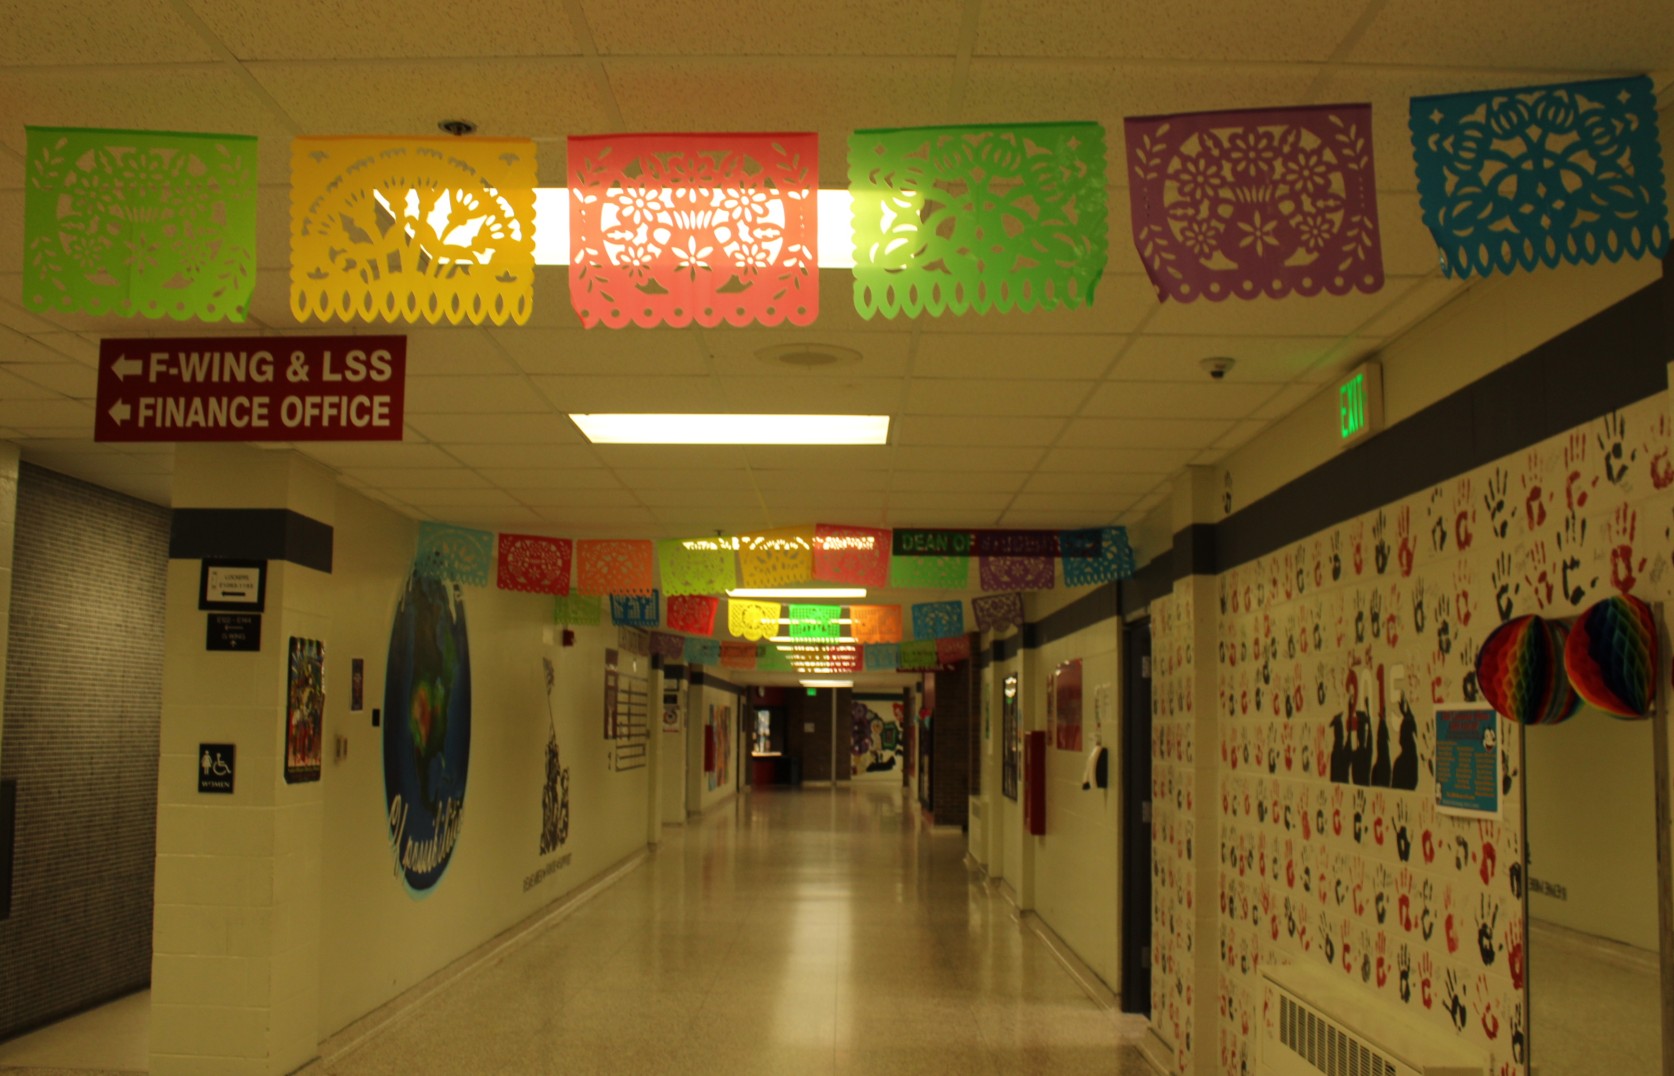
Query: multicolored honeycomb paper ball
[1611, 657]
[1520, 669]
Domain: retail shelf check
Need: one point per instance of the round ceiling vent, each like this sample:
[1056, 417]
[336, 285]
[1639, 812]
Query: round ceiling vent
[808, 356]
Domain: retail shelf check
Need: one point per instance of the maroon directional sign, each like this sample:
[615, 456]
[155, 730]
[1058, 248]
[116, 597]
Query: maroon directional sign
[252, 388]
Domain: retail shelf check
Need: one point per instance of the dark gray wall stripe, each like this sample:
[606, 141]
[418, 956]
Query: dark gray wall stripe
[700, 678]
[1149, 583]
[1194, 550]
[250, 533]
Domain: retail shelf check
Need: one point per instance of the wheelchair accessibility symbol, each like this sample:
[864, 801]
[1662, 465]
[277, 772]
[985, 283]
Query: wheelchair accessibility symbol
[216, 762]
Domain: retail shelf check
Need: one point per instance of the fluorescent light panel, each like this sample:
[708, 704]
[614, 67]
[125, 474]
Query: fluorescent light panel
[552, 228]
[827, 683]
[733, 429]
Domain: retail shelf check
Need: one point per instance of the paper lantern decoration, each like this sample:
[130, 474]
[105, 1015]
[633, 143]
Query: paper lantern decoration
[454, 554]
[1520, 669]
[698, 228]
[882, 657]
[954, 649]
[413, 229]
[534, 564]
[1571, 172]
[614, 566]
[703, 652]
[858, 556]
[776, 558]
[814, 621]
[1256, 202]
[752, 620]
[668, 647]
[1611, 657]
[930, 573]
[1113, 560]
[938, 620]
[697, 565]
[875, 623]
[958, 219]
[577, 609]
[692, 613]
[738, 655]
[152, 223]
[1017, 573]
[636, 610]
[997, 612]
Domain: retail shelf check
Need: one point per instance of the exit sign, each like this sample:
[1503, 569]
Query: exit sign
[1360, 404]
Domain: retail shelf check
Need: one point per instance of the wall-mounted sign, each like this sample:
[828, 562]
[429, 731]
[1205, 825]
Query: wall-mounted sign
[278, 388]
[216, 763]
[1468, 761]
[234, 631]
[238, 586]
[1360, 404]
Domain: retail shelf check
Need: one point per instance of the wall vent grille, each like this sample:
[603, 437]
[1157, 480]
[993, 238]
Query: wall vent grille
[1328, 1047]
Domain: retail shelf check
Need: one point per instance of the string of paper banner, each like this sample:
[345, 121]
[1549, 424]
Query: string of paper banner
[712, 228]
[671, 584]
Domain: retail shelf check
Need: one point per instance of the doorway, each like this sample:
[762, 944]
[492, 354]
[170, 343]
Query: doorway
[1136, 817]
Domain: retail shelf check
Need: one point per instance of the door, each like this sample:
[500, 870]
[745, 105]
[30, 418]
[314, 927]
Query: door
[1136, 817]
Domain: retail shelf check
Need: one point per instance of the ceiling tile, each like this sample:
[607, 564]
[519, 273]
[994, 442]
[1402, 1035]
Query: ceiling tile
[821, 457]
[565, 479]
[1287, 399]
[737, 352]
[960, 481]
[13, 387]
[602, 352]
[952, 500]
[683, 478]
[37, 413]
[809, 394]
[70, 379]
[1417, 304]
[815, 505]
[545, 498]
[342, 454]
[498, 429]
[404, 478]
[433, 499]
[738, 27]
[1142, 433]
[1177, 399]
[525, 456]
[1317, 315]
[969, 458]
[833, 479]
[394, 29]
[489, 518]
[474, 394]
[1620, 36]
[935, 430]
[1266, 361]
[1008, 354]
[506, 98]
[1241, 434]
[597, 522]
[95, 32]
[1120, 305]
[1106, 485]
[909, 516]
[1116, 460]
[698, 498]
[1104, 505]
[719, 457]
[585, 395]
[996, 397]
[1184, 30]
[1062, 519]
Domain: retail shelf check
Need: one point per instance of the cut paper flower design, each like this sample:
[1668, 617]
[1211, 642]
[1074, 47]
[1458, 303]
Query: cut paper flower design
[614, 566]
[771, 658]
[954, 649]
[858, 556]
[692, 613]
[938, 620]
[997, 612]
[577, 609]
[776, 558]
[535, 564]
[977, 218]
[814, 621]
[635, 610]
[752, 620]
[150, 223]
[703, 652]
[668, 647]
[697, 565]
[689, 229]
[875, 623]
[1114, 560]
[738, 655]
[883, 657]
[1512, 179]
[930, 573]
[413, 229]
[843, 659]
[1017, 573]
[1258, 202]
[454, 554]
[919, 655]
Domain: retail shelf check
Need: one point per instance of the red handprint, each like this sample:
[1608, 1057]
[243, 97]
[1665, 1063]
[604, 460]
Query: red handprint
[1577, 488]
[1403, 541]
[1514, 951]
[1464, 515]
[1538, 575]
[1656, 449]
[1426, 970]
[1624, 522]
[1534, 499]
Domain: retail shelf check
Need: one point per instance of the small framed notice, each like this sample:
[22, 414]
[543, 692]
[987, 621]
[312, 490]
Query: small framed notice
[235, 586]
[1468, 761]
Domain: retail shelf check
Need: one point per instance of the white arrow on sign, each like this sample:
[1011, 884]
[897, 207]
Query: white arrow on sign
[123, 366]
[120, 411]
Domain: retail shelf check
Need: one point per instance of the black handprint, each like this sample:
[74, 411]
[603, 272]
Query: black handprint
[1494, 501]
[1336, 556]
[1377, 614]
[1380, 548]
[1504, 586]
[1519, 1040]
[1403, 966]
[1418, 606]
[1456, 1001]
[1403, 835]
[1570, 541]
[1611, 441]
[1487, 920]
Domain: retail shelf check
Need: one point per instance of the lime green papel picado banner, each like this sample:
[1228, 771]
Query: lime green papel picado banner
[961, 219]
[152, 223]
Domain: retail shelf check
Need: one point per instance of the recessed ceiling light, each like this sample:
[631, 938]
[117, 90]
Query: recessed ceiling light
[808, 356]
[796, 594]
[734, 429]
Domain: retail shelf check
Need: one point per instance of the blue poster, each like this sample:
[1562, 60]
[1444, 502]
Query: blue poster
[1468, 761]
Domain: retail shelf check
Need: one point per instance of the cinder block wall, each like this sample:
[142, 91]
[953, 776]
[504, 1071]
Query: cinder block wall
[83, 700]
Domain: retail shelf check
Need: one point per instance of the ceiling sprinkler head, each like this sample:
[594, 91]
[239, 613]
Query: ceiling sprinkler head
[458, 127]
[1216, 366]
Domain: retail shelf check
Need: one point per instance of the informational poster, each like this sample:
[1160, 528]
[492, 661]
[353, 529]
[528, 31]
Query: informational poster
[1065, 705]
[304, 710]
[1468, 760]
[1011, 739]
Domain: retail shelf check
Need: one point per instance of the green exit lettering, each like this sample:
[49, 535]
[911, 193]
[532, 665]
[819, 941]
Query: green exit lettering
[1351, 406]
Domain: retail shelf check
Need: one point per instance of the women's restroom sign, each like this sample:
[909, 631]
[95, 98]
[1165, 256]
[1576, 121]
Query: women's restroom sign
[251, 388]
[1468, 761]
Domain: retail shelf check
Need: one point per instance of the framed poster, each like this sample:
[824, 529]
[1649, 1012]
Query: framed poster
[1066, 704]
[1011, 740]
[304, 710]
[1468, 760]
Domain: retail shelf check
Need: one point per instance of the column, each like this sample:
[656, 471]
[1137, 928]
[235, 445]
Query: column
[235, 966]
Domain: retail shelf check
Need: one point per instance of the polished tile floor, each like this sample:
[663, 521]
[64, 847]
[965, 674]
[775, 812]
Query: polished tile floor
[810, 931]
